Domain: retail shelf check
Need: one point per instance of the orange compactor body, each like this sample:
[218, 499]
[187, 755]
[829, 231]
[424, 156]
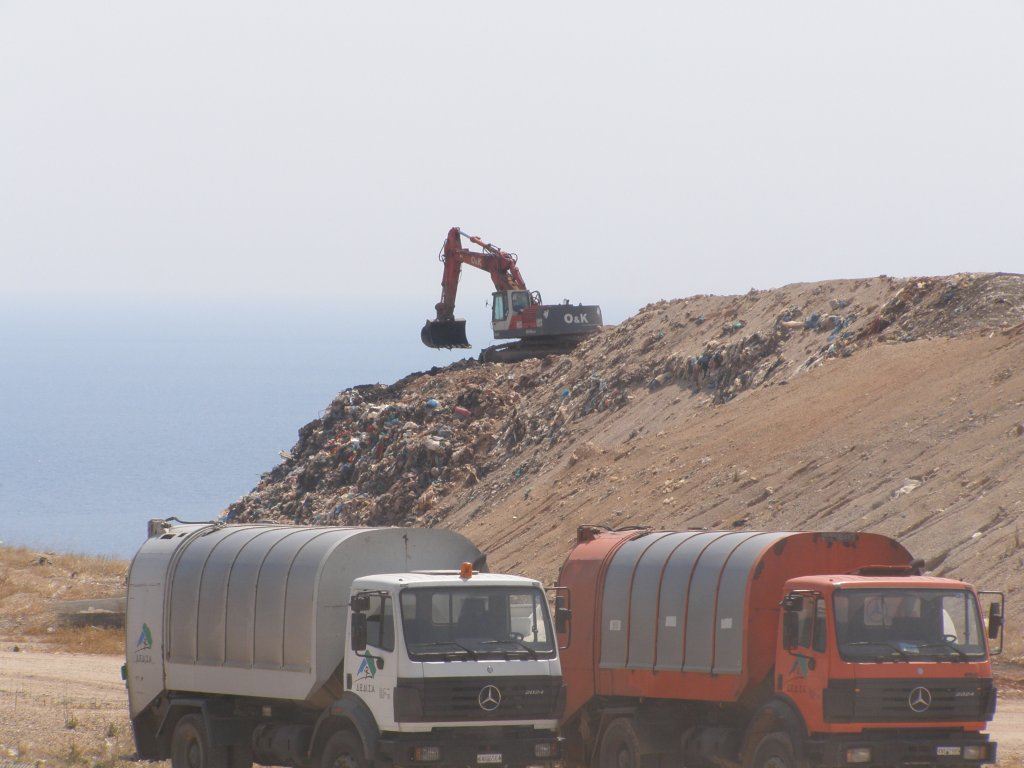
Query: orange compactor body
[690, 614]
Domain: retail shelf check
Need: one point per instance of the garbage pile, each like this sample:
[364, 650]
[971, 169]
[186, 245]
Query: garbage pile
[383, 455]
[393, 455]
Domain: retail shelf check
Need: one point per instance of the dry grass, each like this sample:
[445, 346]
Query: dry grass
[99, 745]
[32, 582]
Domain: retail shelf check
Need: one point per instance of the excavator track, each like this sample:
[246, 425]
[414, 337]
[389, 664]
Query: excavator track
[529, 348]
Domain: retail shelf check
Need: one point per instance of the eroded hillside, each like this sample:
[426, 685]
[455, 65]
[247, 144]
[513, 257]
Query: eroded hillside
[881, 404]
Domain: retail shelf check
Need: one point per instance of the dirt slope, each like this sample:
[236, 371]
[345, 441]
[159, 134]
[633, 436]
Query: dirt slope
[877, 404]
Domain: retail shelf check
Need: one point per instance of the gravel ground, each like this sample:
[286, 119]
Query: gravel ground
[40, 693]
[63, 708]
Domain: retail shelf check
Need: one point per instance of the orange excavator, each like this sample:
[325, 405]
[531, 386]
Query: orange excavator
[516, 312]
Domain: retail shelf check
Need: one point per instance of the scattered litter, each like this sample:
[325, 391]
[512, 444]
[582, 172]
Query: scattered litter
[907, 487]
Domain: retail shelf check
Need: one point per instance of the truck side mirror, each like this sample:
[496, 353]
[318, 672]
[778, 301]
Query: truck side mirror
[563, 616]
[995, 620]
[358, 632]
[793, 603]
[790, 629]
[360, 603]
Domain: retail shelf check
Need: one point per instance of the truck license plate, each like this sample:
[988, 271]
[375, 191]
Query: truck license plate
[488, 758]
[947, 751]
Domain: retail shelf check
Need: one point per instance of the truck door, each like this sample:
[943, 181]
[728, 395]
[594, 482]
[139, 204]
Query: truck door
[801, 669]
[375, 669]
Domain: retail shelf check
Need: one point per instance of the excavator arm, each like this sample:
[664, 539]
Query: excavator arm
[445, 330]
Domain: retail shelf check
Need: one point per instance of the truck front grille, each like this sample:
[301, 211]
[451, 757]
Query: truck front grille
[908, 701]
[482, 698]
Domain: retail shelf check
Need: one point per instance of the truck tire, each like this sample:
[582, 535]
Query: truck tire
[343, 750]
[191, 748]
[775, 750]
[620, 747]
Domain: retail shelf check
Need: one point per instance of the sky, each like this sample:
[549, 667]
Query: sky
[627, 152]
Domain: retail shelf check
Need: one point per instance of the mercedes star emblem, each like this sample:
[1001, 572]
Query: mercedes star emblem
[489, 698]
[919, 699]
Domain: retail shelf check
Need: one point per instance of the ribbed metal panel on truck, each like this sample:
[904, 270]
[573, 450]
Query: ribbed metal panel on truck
[675, 601]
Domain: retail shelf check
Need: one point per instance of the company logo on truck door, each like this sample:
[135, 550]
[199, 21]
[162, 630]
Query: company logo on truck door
[143, 644]
[367, 669]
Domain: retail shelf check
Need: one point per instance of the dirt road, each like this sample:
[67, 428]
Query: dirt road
[41, 694]
[63, 707]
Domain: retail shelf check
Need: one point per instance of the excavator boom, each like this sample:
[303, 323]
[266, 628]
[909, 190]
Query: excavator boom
[445, 331]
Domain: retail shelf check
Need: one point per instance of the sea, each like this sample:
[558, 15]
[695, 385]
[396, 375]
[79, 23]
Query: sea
[115, 412]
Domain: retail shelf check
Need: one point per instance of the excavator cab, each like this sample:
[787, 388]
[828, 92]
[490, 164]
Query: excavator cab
[505, 303]
[508, 306]
[445, 334]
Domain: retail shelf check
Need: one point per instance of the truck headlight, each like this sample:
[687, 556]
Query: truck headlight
[974, 752]
[543, 749]
[426, 754]
[858, 755]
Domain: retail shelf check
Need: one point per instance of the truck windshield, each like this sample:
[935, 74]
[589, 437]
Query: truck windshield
[908, 625]
[476, 622]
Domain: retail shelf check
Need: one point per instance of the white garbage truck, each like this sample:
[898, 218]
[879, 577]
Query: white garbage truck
[328, 647]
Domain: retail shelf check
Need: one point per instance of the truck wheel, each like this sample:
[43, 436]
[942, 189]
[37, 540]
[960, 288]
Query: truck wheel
[620, 747]
[191, 748]
[343, 750]
[775, 751]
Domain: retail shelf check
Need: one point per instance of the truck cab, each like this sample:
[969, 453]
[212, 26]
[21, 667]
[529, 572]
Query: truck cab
[888, 668]
[455, 668]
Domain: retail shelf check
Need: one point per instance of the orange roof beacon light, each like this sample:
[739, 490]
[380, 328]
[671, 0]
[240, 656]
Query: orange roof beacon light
[466, 571]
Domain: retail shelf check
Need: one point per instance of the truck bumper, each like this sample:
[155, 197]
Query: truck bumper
[901, 749]
[480, 747]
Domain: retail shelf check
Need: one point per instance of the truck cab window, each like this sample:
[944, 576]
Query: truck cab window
[906, 624]
[805, 623]
[494, 622]
[820, 626]
[380, 623]
[527, 617]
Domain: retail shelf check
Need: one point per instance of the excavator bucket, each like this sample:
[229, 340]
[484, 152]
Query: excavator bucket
[445, 334]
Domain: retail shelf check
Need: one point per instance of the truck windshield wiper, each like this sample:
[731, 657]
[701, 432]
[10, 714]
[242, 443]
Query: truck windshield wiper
[902, 654]
[520, 643]
[435, 643]
[946, 644]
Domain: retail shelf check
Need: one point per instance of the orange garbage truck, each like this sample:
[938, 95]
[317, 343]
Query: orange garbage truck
[770, 650]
